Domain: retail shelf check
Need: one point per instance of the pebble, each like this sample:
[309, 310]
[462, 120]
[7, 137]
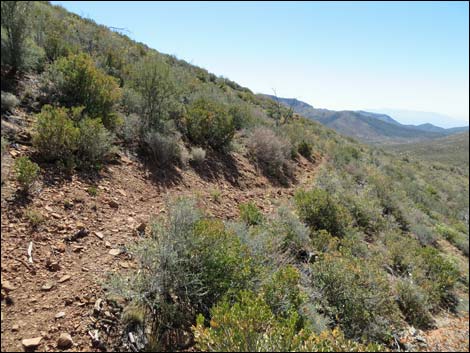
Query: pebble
[64, 278]
[114, 252]
[59, 315]
[64, 341]
[113, 204]
[99, 235]
[29, 343]
[47, 286]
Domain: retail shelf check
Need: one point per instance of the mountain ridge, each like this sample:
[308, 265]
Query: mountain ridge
[369, 127]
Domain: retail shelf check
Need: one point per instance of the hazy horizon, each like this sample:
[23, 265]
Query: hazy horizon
[340, 56]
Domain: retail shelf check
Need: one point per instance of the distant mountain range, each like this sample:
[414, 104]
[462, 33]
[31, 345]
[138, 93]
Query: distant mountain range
[374, 128]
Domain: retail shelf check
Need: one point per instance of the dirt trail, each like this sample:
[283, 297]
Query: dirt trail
[126, 197]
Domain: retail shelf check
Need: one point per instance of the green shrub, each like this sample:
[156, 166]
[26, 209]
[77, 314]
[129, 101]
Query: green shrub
[282, 291]
[209, 123]
[94, 142]
[248, 325]
[55, 135]
[9, 101]
[438, 277]
[250, 213]
[358, 295]
[413, 303]
[305, 149]
[27, 173]
[76, 81]
[186, 265]
[270, 152]
[241, 117]
[319, 211]
[154, 93]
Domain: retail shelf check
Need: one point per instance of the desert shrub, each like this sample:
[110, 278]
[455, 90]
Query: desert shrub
[358, 295]
[248, 325]
[424, 234]
[76, 81]
[462, 244]
[282, 291]
[345, 154]
[209, 123]
[319, 210]
[250, 213]
[131, 101]
[241, 117]
[293, 233]
[55, 135]
[34, 217]
[16, 21]
[131, 129]
[154, 93]
[437, 277]
[305, 149]
[186, 265]
[197, 155]
[94, 142]
[448, 233]
[27, 173]
[9, 101]
[163, 150]
[270, 152]
[413, 303]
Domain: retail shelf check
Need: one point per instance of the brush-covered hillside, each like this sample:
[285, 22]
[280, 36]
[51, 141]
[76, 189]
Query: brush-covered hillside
[148, 204]
[448, 151]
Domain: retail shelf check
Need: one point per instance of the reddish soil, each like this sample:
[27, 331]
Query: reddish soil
[127, 196]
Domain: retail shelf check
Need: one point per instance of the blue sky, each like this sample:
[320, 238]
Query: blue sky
[335, 55]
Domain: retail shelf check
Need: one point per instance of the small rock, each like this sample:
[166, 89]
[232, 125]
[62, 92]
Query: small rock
[59, 315]
[29, 343]
[56, 215]
[114, 252]
[47, 286]
[64, 341]
[107, 244]
[64, 278]
[7, 285]
[99, 235]
[15, 327]
[113, 204]
[97, 307]
[80, 234]
[120, 191]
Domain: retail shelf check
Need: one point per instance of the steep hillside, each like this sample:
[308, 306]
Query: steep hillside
[149, 205]
[368, 127]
